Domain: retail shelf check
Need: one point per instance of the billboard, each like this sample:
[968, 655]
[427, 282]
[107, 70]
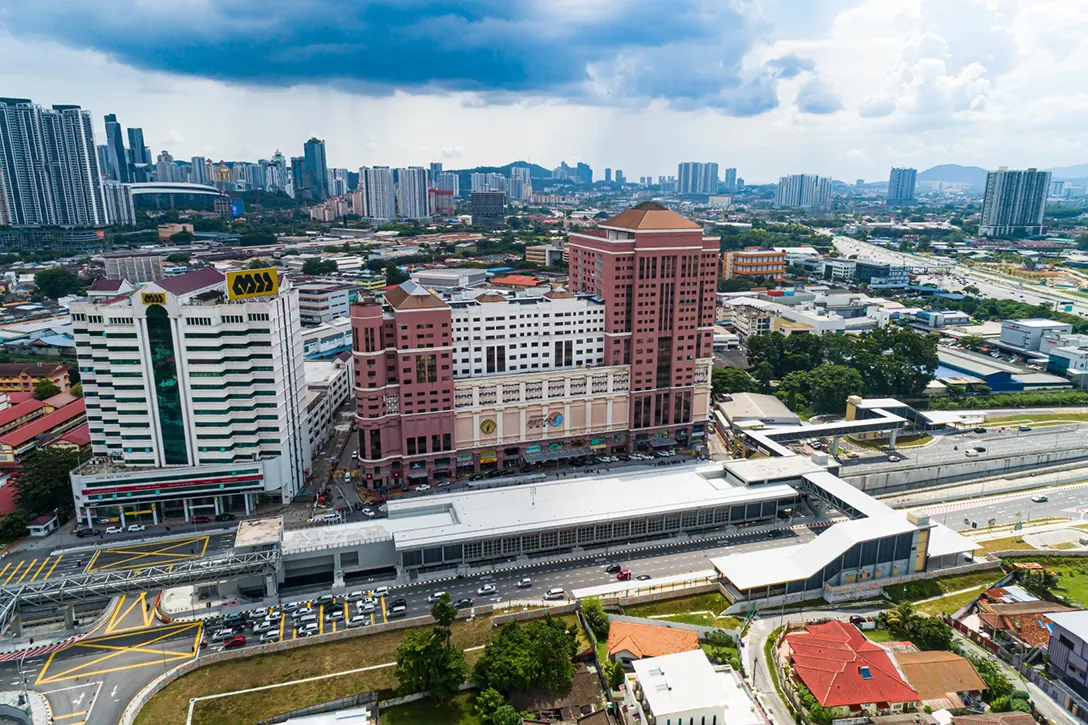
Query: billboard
[251, 283]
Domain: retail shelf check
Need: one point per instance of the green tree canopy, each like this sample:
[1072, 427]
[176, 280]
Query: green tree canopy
[43, 484]
[393, 274]
[182, 237]
[319, 266]
[537, 654]
[57, 282]
[44, 389]
[724, 381]
[596, 617]
[177, 258]
[824, 389]
[426, 659]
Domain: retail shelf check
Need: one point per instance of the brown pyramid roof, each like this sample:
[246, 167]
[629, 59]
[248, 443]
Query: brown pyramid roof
[411, 295]
[559, 294]
[490, 297]
[649, 216]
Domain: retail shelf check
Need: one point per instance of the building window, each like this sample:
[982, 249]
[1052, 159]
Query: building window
[426, 369]
[164, 367]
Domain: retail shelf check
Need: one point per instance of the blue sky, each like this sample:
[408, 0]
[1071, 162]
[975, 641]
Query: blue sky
[842, 87]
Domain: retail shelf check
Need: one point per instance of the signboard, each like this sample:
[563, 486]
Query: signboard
[237, 208]
[487, 427]
[597, 443]
[489, 456]
[555, 419]
[532, 449]
[154, 298]
[251, 283]
[546, 419]
[555, 446]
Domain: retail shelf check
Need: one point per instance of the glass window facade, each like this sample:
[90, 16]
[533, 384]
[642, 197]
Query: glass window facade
[164, 366]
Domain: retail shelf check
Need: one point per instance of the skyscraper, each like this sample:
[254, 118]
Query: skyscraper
[620, 178]
[696, 177]
[50, 165]
[103, 152]
[488, 209]
[435, 172]
[198, 172]
[607, 175]
[901, 185]
[730, 180]
[377, 182]
[140, 153]
[118, 200]
[315, 172]
[1015, 202]
[165, 168]
[295, 188]
[412, 193]
[803, 191]
[585, 173]
[115, 142]
[449, 181]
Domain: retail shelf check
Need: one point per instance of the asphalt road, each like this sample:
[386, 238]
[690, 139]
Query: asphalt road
[1009, 508]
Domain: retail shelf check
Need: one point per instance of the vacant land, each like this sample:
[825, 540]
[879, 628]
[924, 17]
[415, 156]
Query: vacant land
[459, 711]
[1038, 419]
[701, 609]
[915, 591]
[1072, 576]
[951, 603]
[172, 704]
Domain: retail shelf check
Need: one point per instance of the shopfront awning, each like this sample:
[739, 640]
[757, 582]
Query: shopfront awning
[662, 442]
[559, 455]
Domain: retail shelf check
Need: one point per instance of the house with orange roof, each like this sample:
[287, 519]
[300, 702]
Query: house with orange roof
[522, 281]
[844, 671]
[629, 641]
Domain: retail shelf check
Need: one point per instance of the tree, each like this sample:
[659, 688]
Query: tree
[177, 258]
[426, 659]
[899, 620]
[76, 390]
[738, 284]
[972, 342]
[930, 633]
[826, 388]
[393, 275]
[1040, 583]
[43, 483]
[596, 617]
[997, 684]
[764, 374]
[319, 266]
[724, 381]
[721, 647]
[13, 526]
[487, 703]
[45, 389]
[182, 237]
[537, 654]
[1006, 703]
[57, 282]
[443, 612]
[259, 263]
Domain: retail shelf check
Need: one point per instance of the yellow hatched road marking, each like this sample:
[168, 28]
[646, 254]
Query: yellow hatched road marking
[27, 571]
[55, 562]
[44, 562]
[6, 567]
[14, 572]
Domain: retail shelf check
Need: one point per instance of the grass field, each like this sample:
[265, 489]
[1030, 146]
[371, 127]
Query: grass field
[879, 635]
[459, 711]
[1009, 542]
[1038, 419]
[689, 610]
[1072, 576]
[914, 591]
[172, 704]
[949, 604]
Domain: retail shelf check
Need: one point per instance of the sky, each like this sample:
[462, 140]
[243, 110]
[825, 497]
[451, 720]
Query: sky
[846, 88]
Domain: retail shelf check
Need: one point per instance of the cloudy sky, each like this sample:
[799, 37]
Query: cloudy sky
[838, 87]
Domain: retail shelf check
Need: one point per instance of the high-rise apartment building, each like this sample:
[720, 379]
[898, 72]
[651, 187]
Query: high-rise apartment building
[139, 153]
[196, 402]
[695, 177]
[103, 153]
[1015, 202]
[488, 209]
[295, 188]
[338, 182]
[381, 198]
[115, 143]
[901, 185]
[620, 178]
[607, 175]
[412, 193]
[50, 165]
[584, 173]
[5, 211]
[730, 180]
[166, 169]
[657, 273]
[449, 181]
[803, 191]
[117, 198]
[434, 172]
[198, 170]
[315, 171]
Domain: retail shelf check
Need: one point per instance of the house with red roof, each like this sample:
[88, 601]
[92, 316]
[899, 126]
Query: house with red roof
[844, 671]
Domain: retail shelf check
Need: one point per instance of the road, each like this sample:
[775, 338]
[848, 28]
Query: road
[1009, 508]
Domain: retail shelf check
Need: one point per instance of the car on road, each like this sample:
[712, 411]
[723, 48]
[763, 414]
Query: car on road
[359, 620]
[221, 634]
[353, 596]
[423, 487]
[980, 430]
[201, 519]
[643, 577]
[971, 453]
[894, 459]
[444, 484]
[524, 583]
[557, 593]
[486, 589]
[262, 627]
[1024, 428]
[477, 477]
[367, 605]
[355, 454]
[435, 596]
[307, 629]
[624, 575]
[225, 517]
[463, 603]
[397, 612]
[495, 474]
[613, 568]
[325, 599]
[398, 603]
[115, 530]
[136, 528]
[379, 591]
[334, 615]
[1039, 499]
[82, 533]
[368, 512]
[237, 640]
[980, 449]
[273, 636]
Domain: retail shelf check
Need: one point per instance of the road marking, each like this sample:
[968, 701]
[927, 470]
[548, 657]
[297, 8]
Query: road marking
[283, 621]
[44, 562]
[58, 718]
[162, 654]
[90, 564]
[6, 567]
[321, 619]
[16, 571]
[55, 562]
[384, 619]
[116, 612]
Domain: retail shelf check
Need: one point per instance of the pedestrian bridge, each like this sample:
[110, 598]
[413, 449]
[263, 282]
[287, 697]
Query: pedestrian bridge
[172, 187]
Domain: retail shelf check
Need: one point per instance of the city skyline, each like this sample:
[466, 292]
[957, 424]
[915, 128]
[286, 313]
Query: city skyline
[840, 88]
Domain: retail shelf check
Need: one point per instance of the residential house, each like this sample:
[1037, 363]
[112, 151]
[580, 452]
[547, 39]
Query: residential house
[1018, 624]
[15, 377]
[584, 697]
[845, 672]
[1067, 652]
[685, 689]
[628, 641]
[943, 680]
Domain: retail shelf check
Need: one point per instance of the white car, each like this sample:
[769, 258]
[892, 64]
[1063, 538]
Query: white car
[368, 512]
[262, 627]
[379, 591]
[307, 629]
[367, 606]
[894, 459]
[273, 636]
[353, 596]
[435, 596]
[221, 634]
[115, 530]
[423, 487]
[355, 454]
[359, 620]
[136, 528]
[486, 589]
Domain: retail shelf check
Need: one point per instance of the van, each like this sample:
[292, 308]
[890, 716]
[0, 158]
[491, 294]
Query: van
[397, 612]
[306, 619]
[557, 593]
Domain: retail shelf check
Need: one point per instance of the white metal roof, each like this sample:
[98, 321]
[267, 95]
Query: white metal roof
[1075, 622]
[943, 540]
[685, 682]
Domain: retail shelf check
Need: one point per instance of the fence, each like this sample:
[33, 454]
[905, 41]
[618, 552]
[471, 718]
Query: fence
[363, 698]
[873, 587]
[984, 642]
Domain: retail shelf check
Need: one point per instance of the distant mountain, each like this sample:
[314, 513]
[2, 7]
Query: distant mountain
[956, 174]
[535, 170]
[1078, 171]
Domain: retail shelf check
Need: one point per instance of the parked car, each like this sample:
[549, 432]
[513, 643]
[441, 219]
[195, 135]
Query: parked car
[477, 477]
[333, 615]
[307, 629]
[368, 512]
[273, 636]
[136, 528]
[495, 474]
[326, 599]
[359, 620]
[423, 487]
[486, 589]
[463, 603]
[435, 596]
[397, 612]
[221, 634]
[524, 583]
[358, 505]
[225, 517]
[85, 532]
[237, 640]
[201, 519]
[379, 591]
[115, 530]
[355, 454]
[262, 627]
[1039, 499]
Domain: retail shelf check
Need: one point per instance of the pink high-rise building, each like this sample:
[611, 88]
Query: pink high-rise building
[479, 380]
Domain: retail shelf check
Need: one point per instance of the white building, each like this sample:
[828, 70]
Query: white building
[448, 181]
[328, 386]
[685, 688]
[412, 193]
[327, 339]
[319, 303]
[117, 198]
[178, 376]
[901, 185]
[494, 333]
[839, 270]
[1027, 334]
[803, 191]
[1015, 202]
[380, 190]
[449, 278]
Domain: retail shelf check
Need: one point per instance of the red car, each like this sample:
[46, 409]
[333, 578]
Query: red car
[235, 641]
[624, 575]
[201, 519]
